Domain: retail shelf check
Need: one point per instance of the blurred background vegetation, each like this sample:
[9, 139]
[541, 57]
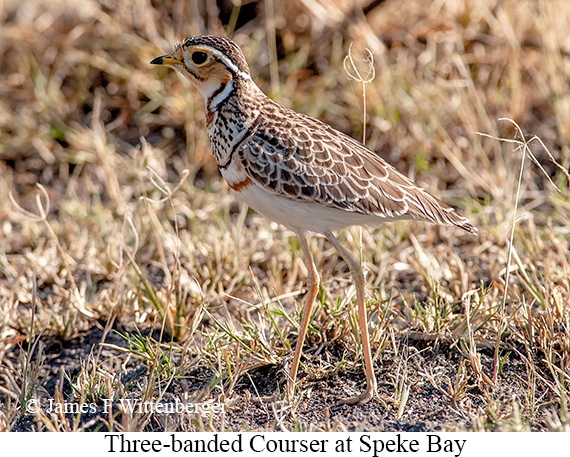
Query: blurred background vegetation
[112, 211]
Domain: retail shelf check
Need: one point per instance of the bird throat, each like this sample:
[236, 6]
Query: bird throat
[229, 120]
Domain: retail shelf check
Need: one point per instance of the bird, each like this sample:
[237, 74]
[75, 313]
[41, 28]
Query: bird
[300, 172]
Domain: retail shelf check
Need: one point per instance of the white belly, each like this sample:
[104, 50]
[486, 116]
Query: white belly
[296, 214]
[293, 214]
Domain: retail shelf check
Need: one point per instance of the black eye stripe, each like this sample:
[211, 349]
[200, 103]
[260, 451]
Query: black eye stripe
[199, 57]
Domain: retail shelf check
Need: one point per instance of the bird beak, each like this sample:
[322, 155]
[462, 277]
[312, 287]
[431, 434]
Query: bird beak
[168, 59]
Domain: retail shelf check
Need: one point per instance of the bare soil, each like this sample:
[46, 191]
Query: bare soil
[257, 402]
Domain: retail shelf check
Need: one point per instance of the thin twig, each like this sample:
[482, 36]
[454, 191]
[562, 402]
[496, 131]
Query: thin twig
[354, 74]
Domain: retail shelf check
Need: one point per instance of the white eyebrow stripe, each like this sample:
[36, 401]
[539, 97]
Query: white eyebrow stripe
[227, 62]
[232, 66]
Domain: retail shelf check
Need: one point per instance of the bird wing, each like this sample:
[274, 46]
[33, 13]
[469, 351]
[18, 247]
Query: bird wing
[302, 158]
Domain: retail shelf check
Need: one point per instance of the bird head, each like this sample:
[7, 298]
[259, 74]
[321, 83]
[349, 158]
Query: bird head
[208, 61]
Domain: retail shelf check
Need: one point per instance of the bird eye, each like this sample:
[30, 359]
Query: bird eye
[199, 57]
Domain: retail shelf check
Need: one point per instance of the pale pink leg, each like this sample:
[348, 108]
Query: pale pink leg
[313, 285]
[358, 277]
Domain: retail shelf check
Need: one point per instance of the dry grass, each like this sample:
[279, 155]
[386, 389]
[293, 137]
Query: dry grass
[114, 220]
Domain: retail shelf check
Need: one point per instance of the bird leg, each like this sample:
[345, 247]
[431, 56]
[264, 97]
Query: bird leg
[313, 285]
[357, 275]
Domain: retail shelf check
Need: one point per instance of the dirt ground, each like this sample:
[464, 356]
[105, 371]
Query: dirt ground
[257, 403]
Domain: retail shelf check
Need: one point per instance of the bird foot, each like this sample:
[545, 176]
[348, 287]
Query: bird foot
[364, 397]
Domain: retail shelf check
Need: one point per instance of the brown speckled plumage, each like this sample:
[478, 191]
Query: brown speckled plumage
[298, 170]
[302, 158]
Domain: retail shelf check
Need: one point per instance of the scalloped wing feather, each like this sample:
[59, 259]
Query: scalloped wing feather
[301, 158]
